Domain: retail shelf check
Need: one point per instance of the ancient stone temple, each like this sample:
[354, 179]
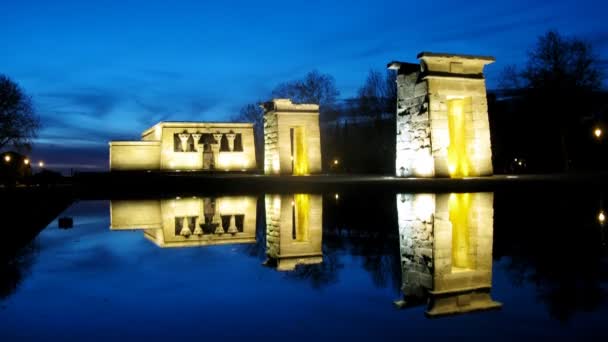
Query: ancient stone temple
[446, 251]
[292, 144]
[442, 117]
[188, 146]
[189, 221]
[294, 230]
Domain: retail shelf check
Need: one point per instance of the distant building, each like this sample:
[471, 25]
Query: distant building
[292, 142]
[188, 146]
[188, 222]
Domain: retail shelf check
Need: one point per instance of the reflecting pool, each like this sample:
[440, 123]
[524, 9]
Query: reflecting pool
[365, 265]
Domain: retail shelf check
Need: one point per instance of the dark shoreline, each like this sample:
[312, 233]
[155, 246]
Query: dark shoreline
[141, 184]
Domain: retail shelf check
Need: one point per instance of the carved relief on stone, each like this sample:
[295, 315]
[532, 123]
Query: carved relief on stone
[231, 136]
[218, 137]
[183, 138]
[197, 137]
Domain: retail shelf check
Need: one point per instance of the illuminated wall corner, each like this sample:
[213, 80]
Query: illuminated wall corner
[442, 117]
[294, 230]
[292, 143]
[134, 155]
[135, 214]
[415, 214]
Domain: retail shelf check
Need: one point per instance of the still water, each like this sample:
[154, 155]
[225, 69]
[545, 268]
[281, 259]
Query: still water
[300, 265]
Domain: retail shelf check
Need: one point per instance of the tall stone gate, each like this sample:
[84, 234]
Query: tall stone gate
[292, 143]
[442, 117]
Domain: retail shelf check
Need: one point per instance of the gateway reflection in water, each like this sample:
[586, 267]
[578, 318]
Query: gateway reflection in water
[192, 221]
[294, 230]
[446, 251]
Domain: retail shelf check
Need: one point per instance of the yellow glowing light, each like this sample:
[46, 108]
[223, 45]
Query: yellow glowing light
[7, 158]
[276, 165]
[26, 161]
[598, 132]
[232, 160]
[300, 165]
[41, 163]
[519, 163]
[424, 165]
[458, 156]
[302, 209]
[336, 162]
[459, 209]
[337, 196]
[601, 217]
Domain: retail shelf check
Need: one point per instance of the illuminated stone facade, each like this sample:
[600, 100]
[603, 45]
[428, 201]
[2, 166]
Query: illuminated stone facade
[187, 222]
[188, 146]
[446, 251]
[442, 117]
[292, 143]
[294, 230]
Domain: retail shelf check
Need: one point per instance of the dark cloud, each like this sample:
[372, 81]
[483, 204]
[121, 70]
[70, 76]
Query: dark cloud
[98, 103]
[63, 158]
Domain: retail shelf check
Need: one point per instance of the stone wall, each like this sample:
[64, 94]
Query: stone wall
[281, 115]
[429, 228]
[271, 144]
[424, 147]
[413, 127]
[134, 155]
[415, 217]
[281, 245]
[157, 148]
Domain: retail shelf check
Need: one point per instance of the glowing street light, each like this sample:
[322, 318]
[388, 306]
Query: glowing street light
[26, 161]
[41, 164]
[598, 132]
[7, 158]
[336, 162]
[601, 217]
[337, 196]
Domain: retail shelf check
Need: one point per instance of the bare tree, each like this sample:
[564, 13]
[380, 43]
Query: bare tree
[18, 121]
[378, 95]
[315, 87]
[556, 83]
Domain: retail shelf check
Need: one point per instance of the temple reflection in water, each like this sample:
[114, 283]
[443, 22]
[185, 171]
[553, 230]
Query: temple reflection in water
[446, 251]
[192, 221]
[294, 230]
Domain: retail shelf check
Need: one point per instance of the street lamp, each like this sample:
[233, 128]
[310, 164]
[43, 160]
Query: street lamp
[7, 158]
[601, 217]
[41, 164]
[26, 161]
[597, 132]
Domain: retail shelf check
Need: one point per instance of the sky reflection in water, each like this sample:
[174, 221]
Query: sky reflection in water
[283, 265]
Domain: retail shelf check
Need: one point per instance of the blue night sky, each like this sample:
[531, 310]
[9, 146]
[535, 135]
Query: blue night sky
[100, 71]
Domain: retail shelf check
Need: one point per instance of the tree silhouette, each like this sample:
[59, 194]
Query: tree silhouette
[18, 122]
[555, 88]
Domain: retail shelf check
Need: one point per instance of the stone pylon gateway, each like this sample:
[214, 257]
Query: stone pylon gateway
[442, 117]
[292, 143]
